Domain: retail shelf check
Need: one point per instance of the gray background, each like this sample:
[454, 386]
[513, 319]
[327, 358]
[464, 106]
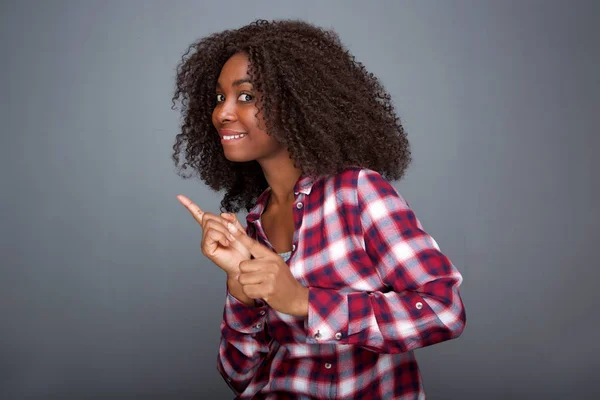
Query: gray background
[103, 290]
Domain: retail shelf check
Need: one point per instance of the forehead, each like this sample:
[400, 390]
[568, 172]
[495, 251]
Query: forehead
[235, 68]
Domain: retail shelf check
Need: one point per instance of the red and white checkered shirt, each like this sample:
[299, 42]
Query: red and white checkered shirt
[379, 287]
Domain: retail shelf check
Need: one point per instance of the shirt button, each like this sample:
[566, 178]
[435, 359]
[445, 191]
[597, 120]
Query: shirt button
[299, 205]
[257, 326]
[262, 312]
[293, 247]
[338, 336]
[327, 365]
[318, 335]
[419, 305]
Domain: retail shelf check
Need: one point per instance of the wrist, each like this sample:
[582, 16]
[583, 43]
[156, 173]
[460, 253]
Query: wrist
[235, 289]
[301, 308]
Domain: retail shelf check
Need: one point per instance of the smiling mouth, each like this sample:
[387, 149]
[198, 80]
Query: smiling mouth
[229, 138]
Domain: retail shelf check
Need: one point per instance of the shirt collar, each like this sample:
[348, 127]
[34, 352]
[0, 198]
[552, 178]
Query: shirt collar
[303, 185]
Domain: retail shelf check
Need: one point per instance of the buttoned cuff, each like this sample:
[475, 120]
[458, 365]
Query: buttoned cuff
[243, 318]
[327, 316]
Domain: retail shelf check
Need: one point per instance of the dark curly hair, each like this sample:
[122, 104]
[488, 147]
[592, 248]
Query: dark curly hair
[317, 100]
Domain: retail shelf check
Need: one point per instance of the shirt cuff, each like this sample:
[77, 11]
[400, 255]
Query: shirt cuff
[243, 318]
[327, 316]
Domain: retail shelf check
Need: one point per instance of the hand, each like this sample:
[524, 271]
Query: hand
[269, 278]
[218, 244]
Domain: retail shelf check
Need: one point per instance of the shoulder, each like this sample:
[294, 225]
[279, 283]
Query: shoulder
[361, 180]
[359, 186]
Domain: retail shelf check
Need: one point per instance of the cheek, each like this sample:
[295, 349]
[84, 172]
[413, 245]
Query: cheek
[269, 143]
[254, 122]
[249, 119]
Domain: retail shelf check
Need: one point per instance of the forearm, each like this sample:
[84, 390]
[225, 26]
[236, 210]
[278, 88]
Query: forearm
[240, 355]
[244, 341]
[390, 322]
[235, 289]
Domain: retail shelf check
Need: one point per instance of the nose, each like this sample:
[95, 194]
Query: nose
[225, 112]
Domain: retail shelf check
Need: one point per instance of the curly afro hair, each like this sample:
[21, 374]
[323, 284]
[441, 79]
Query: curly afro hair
[317, 100]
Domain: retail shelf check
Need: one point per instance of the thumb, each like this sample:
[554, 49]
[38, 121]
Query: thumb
[254, 247]
[230, 217]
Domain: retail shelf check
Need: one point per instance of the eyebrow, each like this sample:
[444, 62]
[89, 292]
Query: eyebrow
[238, 82]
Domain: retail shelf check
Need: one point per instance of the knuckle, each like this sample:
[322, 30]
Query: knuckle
[248, 291]
[206, 218]
[210, 224]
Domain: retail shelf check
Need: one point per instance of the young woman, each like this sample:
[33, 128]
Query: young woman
[333, 283]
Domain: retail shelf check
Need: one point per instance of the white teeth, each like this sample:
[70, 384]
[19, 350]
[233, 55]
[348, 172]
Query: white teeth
[231, 137]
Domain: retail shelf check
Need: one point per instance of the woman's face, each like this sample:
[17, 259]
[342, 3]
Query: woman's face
[235, 117]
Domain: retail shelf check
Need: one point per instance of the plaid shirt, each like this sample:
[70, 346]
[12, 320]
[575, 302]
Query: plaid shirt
[379, 287]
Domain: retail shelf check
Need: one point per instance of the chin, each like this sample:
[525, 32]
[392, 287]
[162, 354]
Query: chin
[237, 157]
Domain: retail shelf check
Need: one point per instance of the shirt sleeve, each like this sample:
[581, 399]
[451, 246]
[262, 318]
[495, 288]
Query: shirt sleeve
[421, 305]
[244, 342]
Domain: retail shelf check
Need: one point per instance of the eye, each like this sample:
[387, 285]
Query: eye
[220, 98]
[245, 97]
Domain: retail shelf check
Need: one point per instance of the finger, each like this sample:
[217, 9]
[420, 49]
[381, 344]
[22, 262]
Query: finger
[196, 212]
[221, 225]
[211, 239]
[254, 291]
[216, 236]
[213, 222]
[252, 278]
[255, 248]
[233, 219]
[249, 266]
[210, 216]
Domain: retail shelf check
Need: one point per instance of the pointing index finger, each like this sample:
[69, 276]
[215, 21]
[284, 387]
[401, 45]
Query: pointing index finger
[196, 212]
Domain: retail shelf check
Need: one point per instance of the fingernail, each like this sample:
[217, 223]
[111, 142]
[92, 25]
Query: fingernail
[232, 228]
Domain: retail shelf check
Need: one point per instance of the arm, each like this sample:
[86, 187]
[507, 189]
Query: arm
[244, 342]
[422, 306]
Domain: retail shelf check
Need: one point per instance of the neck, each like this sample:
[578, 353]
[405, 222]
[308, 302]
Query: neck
[281, 175]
